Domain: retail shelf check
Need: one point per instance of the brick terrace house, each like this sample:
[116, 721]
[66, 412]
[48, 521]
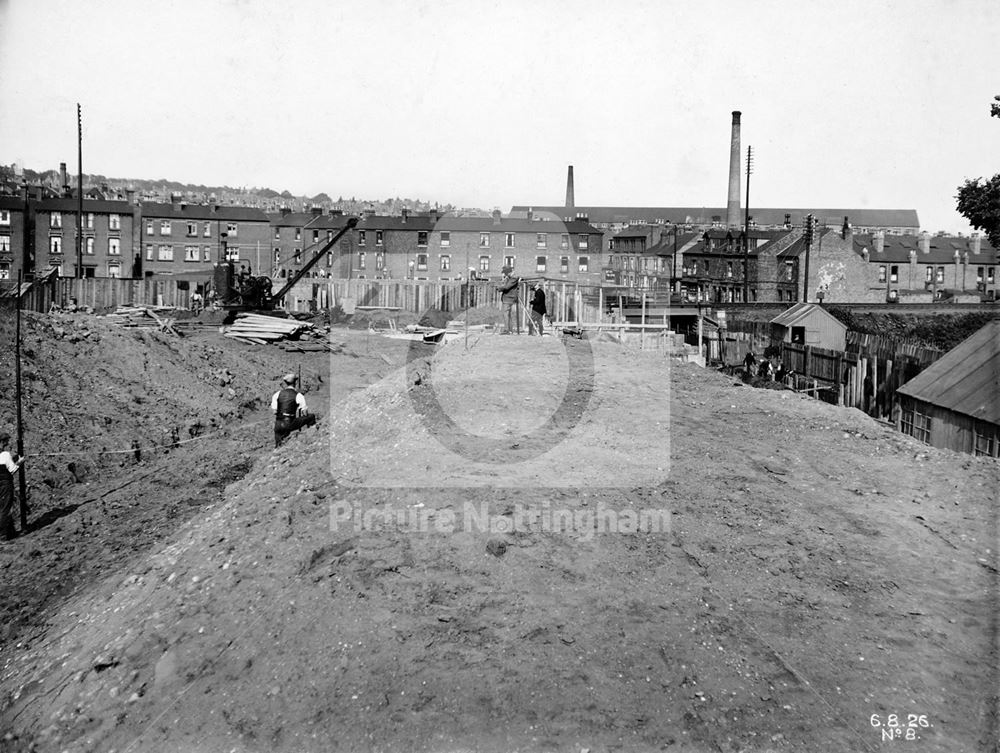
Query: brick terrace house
[109, 244]
[713, 268]
[296, 236]
[14, 237]
[434, 247]
[643, 256]
[875, 268]
[181, 238]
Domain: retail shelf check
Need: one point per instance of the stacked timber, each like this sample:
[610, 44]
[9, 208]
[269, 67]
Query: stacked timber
[288, 334]
[149, 317]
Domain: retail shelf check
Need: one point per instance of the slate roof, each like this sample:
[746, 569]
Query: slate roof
[896, 249]
[801, 311]
[966, 379]
[764, 216]
[201, 212]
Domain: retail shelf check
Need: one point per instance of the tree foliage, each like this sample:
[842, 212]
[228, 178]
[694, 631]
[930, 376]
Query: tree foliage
[979, 200]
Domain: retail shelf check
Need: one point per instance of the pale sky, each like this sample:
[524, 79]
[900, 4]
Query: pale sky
[849, 103]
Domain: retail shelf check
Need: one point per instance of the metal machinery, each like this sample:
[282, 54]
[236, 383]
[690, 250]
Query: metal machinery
[245, 292]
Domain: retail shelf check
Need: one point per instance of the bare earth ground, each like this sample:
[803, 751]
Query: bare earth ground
[376, 584]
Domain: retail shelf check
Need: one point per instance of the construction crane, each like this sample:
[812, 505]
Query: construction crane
[246, 293]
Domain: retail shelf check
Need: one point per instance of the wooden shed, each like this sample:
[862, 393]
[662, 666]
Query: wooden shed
[955, 402]
[809, 324]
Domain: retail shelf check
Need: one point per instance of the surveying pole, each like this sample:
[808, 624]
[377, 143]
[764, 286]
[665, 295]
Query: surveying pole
[21, 483]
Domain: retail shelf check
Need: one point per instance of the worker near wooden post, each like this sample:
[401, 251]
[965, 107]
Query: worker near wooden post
[9, 464]
[290, 410]
[508, 300]
[537, 311]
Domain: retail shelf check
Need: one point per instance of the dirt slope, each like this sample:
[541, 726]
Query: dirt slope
[818, 568]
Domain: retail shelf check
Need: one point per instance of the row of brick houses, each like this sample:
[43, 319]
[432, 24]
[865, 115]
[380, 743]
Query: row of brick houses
[844, 266]
[126, 239]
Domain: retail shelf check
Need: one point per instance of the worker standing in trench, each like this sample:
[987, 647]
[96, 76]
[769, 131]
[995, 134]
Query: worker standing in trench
[290, 410]
[9, 463]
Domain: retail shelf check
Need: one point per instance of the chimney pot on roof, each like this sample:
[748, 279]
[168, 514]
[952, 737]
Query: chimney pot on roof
[496, 216]
[846, 232]
[878, 241]
[531, 214]
[404, 213]
[64, 177]
[925, 242]
[975, 243]
[788, 220]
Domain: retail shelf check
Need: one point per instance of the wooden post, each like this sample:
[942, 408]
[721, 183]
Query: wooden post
[839, 376]
[806, 351]
[21, 483]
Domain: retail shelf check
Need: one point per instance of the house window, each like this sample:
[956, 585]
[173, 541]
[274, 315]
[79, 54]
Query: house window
[421, 262]
[484, 240]
[206, 253]
[4, 217]
[929, 273]
[166, 253]
[940, 274]
[729, 269]
[379, 261]
[584, 263]
[881, 273]
[484, 264]
[788, 272]
[277, 233]
[114, 269]
[232, 253]
[298, 233]
[445, 238]
[192, 253]
[894, 274]
[315, 236]
[916, 424]
[55, 219]
[88, 221]
[297, 256]
[5, 270]
[421, 237]
[989, 274]
[277, 256]
[192, 229]
[985, 441]
[361, 237]
[231, 229]
[207, 230]
[564, 264]
[164, 227]
[564, 241]
[4, 244]
[781, 296]
[114, 247]
[445, 263]
[362, 260]
[509, 240]
[89, 247]
[541, 239]
[508, 261]
[114, 222]
[378, 237]
[540, 263]
[150, 250]
[583, 242]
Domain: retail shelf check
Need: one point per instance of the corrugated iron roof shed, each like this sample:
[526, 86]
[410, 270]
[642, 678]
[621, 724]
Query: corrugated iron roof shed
[966, 379]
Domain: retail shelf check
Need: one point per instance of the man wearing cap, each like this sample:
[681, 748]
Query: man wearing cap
[9, 463]
[537, 307]
[290, 411]
[508, 299]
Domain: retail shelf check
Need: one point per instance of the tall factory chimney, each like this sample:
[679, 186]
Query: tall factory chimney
[570, 197]
[733, 204]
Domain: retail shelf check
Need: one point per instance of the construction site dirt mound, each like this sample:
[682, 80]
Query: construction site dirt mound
[525, 544]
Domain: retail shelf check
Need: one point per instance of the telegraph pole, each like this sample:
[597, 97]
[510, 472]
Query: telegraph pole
[746, 231]
[79, 192]
[810, 223]
[22, 484]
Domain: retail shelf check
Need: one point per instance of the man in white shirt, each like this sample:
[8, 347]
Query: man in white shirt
[9, 463]
[290, 410]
